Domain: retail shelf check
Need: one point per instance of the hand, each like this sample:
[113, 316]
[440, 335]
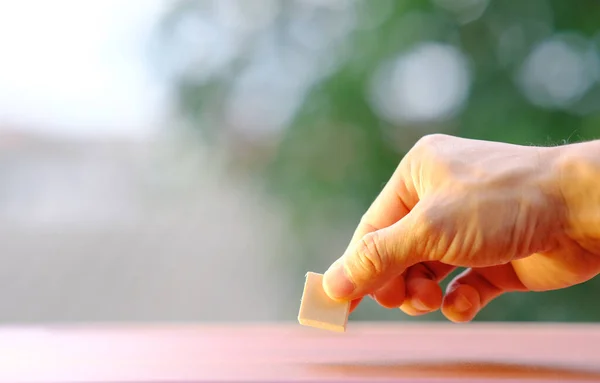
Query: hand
[495, 209]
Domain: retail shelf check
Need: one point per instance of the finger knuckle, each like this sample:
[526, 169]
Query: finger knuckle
[366, 225]
[431, 139]
[429, 152]
[433, 227]
[371, 258]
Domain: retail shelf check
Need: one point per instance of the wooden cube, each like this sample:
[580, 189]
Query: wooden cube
[320, 311]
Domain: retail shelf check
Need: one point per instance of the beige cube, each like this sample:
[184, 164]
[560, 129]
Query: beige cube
[320, 311]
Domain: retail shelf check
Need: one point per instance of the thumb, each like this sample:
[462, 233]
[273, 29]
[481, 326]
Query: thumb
[373, 260]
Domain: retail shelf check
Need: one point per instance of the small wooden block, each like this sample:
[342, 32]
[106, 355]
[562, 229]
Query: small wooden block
[320, 311]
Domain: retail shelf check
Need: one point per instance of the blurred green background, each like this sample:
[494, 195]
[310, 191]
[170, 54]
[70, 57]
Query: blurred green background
[322, 98]
[179, 160]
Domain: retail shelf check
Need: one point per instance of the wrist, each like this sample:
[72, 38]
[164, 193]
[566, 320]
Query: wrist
[576, 171]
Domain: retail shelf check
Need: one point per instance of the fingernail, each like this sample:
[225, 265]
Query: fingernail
[336, 282]
[461, 304]
[419, 305]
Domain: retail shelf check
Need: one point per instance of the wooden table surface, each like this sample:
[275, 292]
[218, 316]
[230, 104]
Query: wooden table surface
[289, 352]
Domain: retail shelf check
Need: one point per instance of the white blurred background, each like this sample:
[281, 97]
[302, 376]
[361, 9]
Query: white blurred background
[105, 213]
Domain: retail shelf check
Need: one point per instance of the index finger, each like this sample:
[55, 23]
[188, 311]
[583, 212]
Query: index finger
[391, 205]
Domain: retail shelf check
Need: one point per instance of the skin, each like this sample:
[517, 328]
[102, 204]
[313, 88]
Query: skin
[517, 218]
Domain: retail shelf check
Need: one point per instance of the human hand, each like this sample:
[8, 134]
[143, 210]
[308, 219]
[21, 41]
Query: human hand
[495, 209]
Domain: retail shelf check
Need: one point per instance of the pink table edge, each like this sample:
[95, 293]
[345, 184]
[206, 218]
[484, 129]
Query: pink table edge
[268, 352]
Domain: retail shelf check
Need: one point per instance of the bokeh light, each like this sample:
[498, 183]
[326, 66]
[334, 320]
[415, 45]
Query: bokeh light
[559, 71]
[428, 83]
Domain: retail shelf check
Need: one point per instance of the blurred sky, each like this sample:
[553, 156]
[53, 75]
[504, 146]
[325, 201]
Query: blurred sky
[79, 67]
